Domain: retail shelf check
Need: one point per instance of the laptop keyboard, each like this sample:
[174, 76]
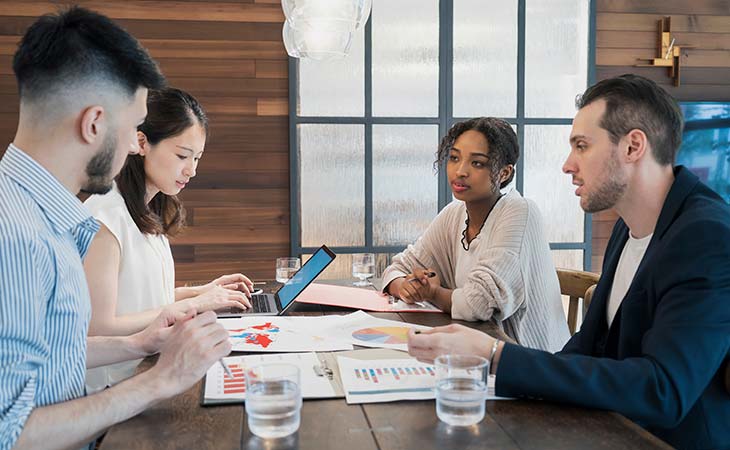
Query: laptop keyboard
[259, 304]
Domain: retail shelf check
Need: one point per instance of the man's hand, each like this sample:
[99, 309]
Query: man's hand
[194, 344]
[151, 339]
[454, 338]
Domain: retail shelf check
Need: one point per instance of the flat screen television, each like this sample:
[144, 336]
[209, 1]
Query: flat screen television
[705, 146]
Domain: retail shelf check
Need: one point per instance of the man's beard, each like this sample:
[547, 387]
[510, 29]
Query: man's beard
[99, 170]
[610, 191]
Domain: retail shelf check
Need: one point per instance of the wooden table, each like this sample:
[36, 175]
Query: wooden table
[181, 423]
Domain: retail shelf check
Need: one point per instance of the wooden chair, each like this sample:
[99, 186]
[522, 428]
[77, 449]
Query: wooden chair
[577, 284]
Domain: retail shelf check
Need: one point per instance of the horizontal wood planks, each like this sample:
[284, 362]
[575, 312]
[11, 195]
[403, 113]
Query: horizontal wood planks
[627, 30]
[229, 54]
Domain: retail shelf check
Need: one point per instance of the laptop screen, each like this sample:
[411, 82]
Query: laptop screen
[309, 271]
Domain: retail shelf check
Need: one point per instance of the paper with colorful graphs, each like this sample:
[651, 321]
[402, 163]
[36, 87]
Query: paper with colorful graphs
[285, 334]
[316, 334]
[220, 388]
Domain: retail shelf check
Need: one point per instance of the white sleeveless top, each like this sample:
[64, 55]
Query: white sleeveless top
[146, 275]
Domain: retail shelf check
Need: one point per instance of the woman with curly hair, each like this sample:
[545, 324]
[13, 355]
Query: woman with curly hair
[485, 256]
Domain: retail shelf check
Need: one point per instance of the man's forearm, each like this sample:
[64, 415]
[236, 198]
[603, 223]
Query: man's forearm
[75, 423]
[103, 350]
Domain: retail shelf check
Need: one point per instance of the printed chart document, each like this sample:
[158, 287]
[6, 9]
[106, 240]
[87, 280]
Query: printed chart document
[388, 380]
[357, 298]
[219, 388]
[367, 331]
[285, 334]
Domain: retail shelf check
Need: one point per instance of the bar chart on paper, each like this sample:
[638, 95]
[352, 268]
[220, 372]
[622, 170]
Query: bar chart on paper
[220, 387]
[237, 384]
[385, 380]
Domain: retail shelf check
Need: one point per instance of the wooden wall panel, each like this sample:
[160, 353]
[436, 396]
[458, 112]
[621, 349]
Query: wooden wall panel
[229, 55]
[627, 29]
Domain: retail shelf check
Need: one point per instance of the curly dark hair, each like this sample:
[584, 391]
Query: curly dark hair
[501, 138]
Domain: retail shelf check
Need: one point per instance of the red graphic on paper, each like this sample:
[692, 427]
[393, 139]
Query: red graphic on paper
[256, 335]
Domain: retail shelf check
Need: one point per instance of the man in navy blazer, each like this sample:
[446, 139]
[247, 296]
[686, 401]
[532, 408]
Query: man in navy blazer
[656, 337]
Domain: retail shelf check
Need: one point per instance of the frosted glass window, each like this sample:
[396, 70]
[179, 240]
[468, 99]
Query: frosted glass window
[405, 58]
[335, 87]
[332, 184]
[546, 147]
[556, 56]
[405, 185]
[341, 267]
[568, 259]
[485, 58]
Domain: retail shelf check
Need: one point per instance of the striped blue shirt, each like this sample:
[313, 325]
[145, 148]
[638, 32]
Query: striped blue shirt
[44, 299]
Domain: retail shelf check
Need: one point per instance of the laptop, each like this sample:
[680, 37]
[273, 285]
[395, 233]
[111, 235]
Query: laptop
[277, 304]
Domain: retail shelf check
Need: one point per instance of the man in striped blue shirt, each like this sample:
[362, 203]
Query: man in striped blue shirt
[83, 87]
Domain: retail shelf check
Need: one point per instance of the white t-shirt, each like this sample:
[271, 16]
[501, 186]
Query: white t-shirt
[146, 274]
[628, 263]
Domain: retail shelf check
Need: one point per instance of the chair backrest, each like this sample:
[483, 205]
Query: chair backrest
[576, 284]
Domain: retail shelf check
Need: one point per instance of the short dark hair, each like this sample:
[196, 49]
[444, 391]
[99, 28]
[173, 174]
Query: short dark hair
[501, 138]
[77, 45]
[635, 102]
[170, 112]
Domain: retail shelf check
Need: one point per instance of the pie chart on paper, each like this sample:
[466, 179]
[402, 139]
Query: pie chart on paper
[382, 335]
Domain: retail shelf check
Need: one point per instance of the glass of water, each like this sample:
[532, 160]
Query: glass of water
[461, 389]
[363, 267]
[286, 268]
[273, 400]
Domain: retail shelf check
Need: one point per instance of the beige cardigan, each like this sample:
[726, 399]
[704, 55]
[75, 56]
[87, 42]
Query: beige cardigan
[513, 282]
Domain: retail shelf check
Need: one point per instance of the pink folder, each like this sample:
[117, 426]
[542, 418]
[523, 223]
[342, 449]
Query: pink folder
[352, 297]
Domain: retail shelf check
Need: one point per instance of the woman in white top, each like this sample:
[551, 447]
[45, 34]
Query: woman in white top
[129, 265]
[485, 256]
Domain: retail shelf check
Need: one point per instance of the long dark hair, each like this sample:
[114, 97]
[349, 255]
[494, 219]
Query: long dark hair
[170, 112]
[501, 138]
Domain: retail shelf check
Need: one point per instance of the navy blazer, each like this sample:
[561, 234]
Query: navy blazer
[660, 362]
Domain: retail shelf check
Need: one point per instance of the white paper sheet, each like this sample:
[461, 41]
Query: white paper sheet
[367, 331]
[218, 386]
[388, 380]
[285, 334]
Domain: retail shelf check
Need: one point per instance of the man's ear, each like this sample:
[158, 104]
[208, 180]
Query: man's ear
[92, 124]
[637, 145]
[144, 144]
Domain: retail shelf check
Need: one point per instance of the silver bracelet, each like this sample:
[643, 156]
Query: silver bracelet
[494, 351]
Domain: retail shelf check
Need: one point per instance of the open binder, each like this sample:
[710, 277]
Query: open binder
[320, 373]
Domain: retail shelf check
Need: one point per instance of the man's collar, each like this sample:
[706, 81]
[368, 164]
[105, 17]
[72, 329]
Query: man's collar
[63, 210]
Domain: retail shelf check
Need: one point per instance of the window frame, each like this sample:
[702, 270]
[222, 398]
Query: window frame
[444, 121]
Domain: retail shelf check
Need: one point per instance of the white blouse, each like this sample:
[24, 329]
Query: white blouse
[146, 275]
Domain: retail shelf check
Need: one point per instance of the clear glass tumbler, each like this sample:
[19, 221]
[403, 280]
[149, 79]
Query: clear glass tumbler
[461, 389]
[273, 400]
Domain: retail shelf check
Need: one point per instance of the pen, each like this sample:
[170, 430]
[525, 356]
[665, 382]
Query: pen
[428, 274]
[226, 368]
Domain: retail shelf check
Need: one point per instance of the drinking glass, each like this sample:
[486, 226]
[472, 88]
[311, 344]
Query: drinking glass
[363, 267]
[461, 389]
[286, 268]
[273, 400]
